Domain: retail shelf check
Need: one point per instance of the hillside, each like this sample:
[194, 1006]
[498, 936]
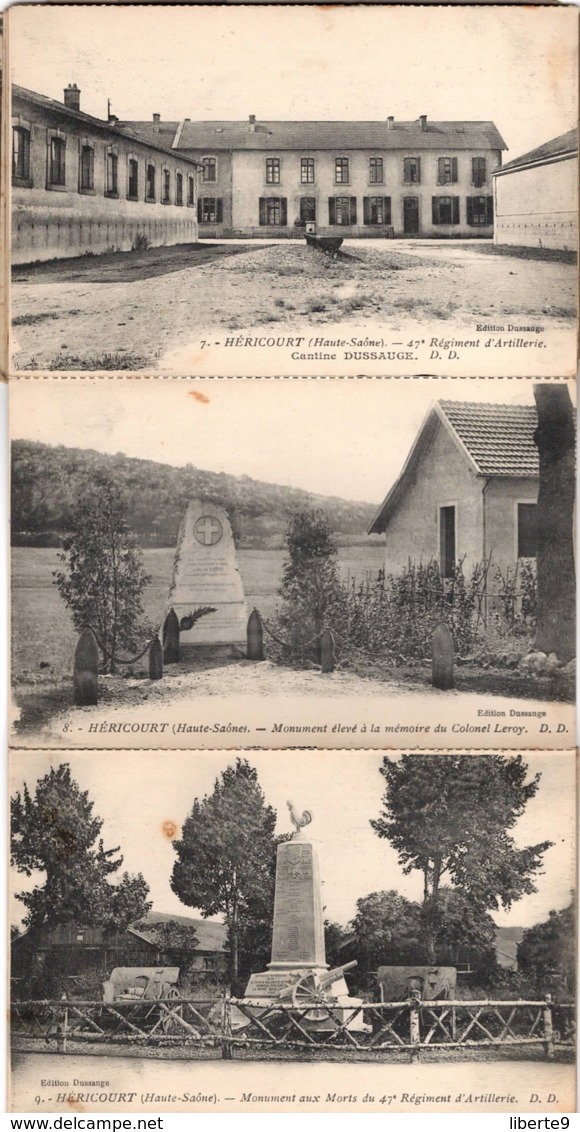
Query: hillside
[48, 483]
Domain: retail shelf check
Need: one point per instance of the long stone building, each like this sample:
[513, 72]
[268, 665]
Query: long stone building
[378, 178]
[82, 184]
[536, 196]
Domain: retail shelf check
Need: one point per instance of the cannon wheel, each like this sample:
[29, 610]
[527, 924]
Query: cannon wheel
[307, 993]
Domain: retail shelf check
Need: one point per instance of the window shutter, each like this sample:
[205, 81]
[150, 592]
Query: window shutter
[441, 173]
[454, 169]
[366, 210]
[199, 212]
[387, 209]
[283, 211]
[219, 210]
[435, 210]
[331, 211]
[489, 202]
[470, 210]
[456, 210]
[353, 210]
[406, 170]
[418, 170]
[262, 211]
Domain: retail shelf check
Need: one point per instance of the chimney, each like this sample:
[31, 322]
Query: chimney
[72, 97]
[423, 121]
[390, 122]
[252, 123]
[156, 121]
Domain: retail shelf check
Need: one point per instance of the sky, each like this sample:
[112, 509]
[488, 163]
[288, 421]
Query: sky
[137, 792]
[513, 65]
[331, 436]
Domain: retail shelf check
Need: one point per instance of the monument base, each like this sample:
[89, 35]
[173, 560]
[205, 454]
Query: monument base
[327, 1012]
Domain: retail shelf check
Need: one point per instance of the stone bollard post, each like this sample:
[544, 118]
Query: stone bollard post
[327, 654]
[86, 670]
[255, 637]
[443, 656]
[171, 638]
[155, 659]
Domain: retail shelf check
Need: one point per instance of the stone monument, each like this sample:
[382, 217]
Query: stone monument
[205, 573]
[298, 973]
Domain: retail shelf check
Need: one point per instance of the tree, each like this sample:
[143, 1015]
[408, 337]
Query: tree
[104, 579]
[551, 947]
[54, 831]
[554, 438]
[387, 929]
[449, 816]
[226, 855]
[310, 587]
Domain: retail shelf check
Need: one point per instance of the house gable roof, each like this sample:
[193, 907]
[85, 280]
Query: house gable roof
[566, 145]
[212, 136]
[496, 440]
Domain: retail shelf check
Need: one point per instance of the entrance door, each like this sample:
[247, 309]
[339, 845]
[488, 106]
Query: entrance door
[447, 541]
[411, 215]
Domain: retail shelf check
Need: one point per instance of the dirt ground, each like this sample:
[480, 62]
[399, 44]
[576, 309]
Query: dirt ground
[131, 311]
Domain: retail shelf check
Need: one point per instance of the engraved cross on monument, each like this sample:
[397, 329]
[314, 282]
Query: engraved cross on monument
[205, 573]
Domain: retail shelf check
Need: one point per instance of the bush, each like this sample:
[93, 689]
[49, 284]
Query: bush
[141, 243]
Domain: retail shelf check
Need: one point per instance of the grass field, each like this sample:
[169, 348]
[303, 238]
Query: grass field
[43, 636]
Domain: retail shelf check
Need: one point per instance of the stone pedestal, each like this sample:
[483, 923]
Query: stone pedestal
[205, 573]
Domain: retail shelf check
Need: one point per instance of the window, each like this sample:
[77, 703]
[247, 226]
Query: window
[87, 169]
[191, 191]
[133, 179]
[377, 210]
[447, 171]
[342, 210]
[447, 541]
[21, 153]
[209, 172]
[179, 188]
[412, 170]
[272, 170]
[150, 191]
[479, 211]
[307, 170]
[166, 187]
[478, 171]
[376, 170]
[446, 210]
[527, 530]
[112, 189]
[307, 210]
[80, 937]
[341, 170]
[57, 162]
[273, 211]
[210, 210]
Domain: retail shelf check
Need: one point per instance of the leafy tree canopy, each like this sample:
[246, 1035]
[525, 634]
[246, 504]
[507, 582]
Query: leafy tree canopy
[550, 947]
[54, 831]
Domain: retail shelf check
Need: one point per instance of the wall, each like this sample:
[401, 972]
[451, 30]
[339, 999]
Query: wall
[249, 184]
[502, 497]
[443, 477]
[538, 207]
[63, 221]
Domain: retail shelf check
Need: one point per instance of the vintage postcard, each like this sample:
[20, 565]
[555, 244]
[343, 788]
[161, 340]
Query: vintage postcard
[392, 190]
[213, 563]
[212, 932]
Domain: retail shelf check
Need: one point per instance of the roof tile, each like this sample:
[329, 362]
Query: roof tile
[499, 438]
[564, 144]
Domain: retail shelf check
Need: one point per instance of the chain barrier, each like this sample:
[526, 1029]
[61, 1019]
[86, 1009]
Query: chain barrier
[119, 659]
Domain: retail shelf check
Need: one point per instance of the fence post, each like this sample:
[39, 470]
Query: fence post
[327, 655]
[86, 670]
[548, 1029]
[226, 1020]
[414, 1024]
[255, 637]
[155, 659]
[170, 637]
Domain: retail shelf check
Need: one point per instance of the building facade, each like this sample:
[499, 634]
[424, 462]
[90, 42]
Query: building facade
[467, 492]
[536, 196]
[81, 185]
[361, 179]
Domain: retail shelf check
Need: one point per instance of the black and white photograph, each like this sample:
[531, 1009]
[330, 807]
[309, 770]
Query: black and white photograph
[293, 189]
[208, 563]
[222, 932]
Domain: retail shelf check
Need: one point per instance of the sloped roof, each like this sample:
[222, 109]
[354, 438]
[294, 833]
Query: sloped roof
[496, 440]
[212, 136]
[211, 936]
[566, 145]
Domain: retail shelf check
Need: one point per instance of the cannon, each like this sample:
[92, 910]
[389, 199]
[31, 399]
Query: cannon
[312, 988]
[143, 987]
[398, 983]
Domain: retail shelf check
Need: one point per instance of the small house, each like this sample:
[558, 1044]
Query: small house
[536, 196]
[468, 490]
